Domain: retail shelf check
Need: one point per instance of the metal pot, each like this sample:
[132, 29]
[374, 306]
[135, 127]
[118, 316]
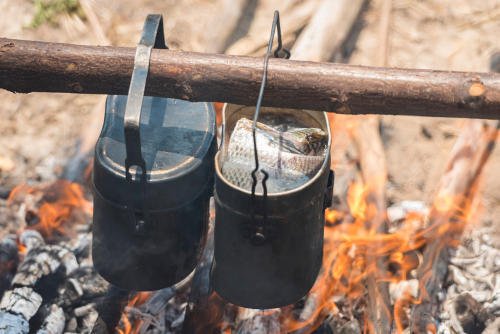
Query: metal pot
[273, 258]
[152, 180]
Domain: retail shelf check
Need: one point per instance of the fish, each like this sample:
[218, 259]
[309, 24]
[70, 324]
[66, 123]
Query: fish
[291, 158]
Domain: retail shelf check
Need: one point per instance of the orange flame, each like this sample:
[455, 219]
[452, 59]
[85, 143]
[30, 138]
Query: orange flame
[56, 204]
[353, 248]
[133, 326]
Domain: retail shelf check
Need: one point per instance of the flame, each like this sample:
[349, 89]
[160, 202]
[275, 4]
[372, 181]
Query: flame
[357, 252]
[130, 325]
[55, 204]
[352, 249]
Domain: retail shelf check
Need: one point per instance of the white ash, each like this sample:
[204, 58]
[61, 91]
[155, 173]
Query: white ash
[474, 271]
[54, 323]
[42, 261]
[402, 289]
[13, 323]
[23, 301]
[400, 211]
[31, 239]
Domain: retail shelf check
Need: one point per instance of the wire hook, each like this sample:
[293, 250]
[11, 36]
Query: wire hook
[259, 235]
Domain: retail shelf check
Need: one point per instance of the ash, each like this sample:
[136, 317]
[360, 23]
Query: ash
[472, 303]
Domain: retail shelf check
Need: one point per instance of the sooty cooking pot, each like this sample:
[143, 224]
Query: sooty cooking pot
[152, 180]
[271, 258]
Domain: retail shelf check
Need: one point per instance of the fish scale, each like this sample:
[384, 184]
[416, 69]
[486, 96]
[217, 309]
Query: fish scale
[276, 152]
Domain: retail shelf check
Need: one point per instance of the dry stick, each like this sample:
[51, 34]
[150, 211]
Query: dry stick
[294, 15]
[319, 41]
[222, 28]
[327, 30]
[27, 66]
[374, 172]
[468, 157]
[74, 170]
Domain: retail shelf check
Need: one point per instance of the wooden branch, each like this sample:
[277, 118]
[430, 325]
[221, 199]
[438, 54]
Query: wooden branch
[27, 66]
[79, 162]
[221, 29]
[327, 30]
[294, 15]
[468, 157]
[374, 171]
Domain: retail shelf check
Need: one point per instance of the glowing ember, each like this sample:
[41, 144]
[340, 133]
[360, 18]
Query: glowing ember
[50, 206]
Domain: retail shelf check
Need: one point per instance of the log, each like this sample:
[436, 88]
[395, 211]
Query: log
[294, 15]
[220, 30]
[77, 165]
[55, 321]
[468, 157]
[205, 309]
[459, 182]
[23, 300]
[29, 66]
[327, 30]
[374, 172]
[251, 321]
[8, 262]
[319, 41]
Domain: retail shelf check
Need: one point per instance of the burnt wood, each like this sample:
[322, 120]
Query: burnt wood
[29, 66]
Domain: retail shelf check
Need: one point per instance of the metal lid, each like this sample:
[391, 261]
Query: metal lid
[175, 137]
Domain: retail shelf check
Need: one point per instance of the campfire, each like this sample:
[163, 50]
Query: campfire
[389, 265]
[414, 276]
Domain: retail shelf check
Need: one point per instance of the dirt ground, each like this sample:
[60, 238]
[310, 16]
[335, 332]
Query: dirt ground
[39, 131]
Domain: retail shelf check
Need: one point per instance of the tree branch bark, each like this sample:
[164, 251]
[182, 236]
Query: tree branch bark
[28, 66]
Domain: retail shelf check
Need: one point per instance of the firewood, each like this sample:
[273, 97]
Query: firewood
[25, 67]
[199, 310]
[79, 162]
[221, 29]
[23, 300]
[8, 262]
[251, 321]
[327, 30]
[55, 321]
[109, 309]
[294, 15]
[17, 307]
[468, 157]
[374, 171]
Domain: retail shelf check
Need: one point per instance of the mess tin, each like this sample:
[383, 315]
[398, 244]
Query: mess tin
[269, 248]
[152, 180]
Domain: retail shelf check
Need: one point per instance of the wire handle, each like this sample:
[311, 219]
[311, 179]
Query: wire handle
[259, 235]
[152, 37]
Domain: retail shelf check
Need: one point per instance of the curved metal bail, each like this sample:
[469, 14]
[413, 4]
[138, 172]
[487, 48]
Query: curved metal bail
[152, 36]
[260, 236]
